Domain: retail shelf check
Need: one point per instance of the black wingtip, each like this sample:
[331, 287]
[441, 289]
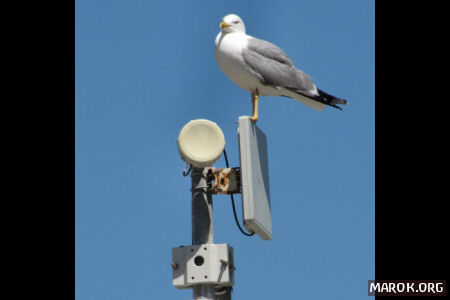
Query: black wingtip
[335, 106]
[323, 98]
[330, 99]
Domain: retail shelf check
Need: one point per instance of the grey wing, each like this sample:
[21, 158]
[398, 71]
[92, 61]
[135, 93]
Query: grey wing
[269, 50]
[273, 67]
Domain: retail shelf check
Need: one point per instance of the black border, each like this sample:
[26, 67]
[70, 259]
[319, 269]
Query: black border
[43, 120]
[411, 153]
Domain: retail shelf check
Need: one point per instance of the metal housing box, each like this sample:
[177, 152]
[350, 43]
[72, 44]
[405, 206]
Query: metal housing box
[254, 178]
[203, 264]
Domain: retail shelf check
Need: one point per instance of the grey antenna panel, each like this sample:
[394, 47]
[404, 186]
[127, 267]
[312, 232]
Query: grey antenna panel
[254, 179]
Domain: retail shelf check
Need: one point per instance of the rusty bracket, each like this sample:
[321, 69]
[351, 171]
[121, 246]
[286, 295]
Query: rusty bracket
[226, 180]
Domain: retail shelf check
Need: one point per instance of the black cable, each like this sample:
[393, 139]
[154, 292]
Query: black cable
[235, 218]
[232, 201]
[226, 157]
[188, 171]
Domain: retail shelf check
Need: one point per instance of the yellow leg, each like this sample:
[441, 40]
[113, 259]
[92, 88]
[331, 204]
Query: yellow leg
[255, 107]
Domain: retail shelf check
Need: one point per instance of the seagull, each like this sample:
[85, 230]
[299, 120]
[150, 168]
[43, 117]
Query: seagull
[263, 69]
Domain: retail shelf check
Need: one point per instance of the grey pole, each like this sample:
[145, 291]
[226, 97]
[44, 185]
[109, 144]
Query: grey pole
[203, 228]
[202, 223]
[202, 209]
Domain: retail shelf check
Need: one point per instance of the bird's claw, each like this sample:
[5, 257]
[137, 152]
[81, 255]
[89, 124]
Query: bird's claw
[254, 119]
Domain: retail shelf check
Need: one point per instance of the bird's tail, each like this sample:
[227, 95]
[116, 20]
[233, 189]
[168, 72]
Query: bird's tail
[329, 99]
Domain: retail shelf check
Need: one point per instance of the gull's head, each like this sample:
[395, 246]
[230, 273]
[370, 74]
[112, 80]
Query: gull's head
[232, 23]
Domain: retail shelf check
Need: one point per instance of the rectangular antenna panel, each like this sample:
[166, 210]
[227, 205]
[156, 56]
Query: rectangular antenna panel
[254, 178]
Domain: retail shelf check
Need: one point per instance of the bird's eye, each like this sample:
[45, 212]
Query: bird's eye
[235, 22]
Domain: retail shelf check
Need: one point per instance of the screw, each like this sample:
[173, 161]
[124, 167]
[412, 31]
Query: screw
[224, 262]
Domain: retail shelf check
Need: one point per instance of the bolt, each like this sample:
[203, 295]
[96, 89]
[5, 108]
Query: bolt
[224, 262]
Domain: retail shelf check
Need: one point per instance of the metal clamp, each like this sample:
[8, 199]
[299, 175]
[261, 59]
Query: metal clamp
[226, 180]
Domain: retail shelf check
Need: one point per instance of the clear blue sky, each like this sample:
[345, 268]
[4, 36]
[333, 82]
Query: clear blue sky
[144, 69]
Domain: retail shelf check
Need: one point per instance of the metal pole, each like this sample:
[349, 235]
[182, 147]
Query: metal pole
[203, 228]
[202, 223]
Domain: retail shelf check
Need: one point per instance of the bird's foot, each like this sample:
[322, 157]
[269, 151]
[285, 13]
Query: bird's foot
[254, 118]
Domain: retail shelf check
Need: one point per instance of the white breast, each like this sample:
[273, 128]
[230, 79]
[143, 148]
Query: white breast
[228, 52]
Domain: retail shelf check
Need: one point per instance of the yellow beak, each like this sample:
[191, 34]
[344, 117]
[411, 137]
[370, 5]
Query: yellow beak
[223, 24]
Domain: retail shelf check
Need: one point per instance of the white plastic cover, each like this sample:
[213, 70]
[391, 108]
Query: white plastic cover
[201, 143]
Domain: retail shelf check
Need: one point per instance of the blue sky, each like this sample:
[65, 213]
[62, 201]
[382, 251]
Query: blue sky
[146, 68]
